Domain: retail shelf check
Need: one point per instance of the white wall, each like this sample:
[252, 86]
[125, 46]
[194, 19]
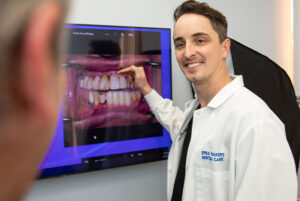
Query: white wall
[262, 25]
[297, 45]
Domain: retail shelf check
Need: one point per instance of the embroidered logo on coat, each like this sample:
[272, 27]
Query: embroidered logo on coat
[213, 156]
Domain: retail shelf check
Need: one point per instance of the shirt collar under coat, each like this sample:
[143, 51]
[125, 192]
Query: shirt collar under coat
[224, 94]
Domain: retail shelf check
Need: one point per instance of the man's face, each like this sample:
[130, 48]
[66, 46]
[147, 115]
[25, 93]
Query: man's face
[198, 50]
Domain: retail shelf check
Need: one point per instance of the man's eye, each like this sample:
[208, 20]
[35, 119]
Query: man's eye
[179, 45]
[200, 41]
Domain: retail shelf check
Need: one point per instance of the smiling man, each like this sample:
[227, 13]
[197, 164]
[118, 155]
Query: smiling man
[201, 55]
[227, 145]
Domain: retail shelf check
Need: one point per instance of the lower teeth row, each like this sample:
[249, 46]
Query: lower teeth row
[114, 97]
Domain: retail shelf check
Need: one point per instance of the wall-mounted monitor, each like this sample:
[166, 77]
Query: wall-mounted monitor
[104, 120]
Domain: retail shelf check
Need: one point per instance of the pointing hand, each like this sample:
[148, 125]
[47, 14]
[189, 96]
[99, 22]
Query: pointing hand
[139, 77]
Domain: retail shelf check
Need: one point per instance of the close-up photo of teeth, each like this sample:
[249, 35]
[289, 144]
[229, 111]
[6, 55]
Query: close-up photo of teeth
[97, 96]
[109, 89]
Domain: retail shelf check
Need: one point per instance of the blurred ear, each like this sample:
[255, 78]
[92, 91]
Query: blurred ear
[225, 47]
[39, 77]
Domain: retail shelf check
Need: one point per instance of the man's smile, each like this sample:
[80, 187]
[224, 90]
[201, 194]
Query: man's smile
[194, 65]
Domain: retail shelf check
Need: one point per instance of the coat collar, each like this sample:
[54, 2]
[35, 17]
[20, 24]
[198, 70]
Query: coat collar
[217, 100]
[226, 92]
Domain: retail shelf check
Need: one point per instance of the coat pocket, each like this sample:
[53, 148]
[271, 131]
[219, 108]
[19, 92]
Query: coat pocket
[211, 185]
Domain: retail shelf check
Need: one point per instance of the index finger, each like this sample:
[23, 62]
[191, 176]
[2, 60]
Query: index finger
[126, 70]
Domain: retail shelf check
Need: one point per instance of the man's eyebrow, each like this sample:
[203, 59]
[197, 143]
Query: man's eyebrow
[193, 35]
[199, 34]
[178, 38]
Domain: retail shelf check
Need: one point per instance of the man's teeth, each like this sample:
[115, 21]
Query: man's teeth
[114, 82]
[91, 97]
[110, 90]
[122, 82]
[95, 83]
[104, 83]
[193, 65]
[101, 96]
[114, 97]
[133, 95]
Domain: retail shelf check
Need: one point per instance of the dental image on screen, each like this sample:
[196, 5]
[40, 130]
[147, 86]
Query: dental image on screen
[101, 105]
[104, 120]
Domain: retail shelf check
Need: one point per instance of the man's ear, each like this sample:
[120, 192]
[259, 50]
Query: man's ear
[37, 60]
[225, 47]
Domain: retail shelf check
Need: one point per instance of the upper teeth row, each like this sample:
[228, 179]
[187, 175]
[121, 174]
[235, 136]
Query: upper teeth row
[105, 82]
[193, 65]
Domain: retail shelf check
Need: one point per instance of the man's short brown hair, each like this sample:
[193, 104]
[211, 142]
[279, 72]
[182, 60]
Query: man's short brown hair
[216, 18]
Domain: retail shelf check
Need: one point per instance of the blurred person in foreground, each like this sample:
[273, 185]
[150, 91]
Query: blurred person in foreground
[31, 85]
[227, 145]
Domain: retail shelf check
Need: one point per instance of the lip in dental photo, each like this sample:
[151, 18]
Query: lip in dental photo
[97, 97]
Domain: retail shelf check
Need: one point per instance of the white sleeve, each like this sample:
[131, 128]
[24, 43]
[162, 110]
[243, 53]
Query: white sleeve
[169, 116]
[265, 168]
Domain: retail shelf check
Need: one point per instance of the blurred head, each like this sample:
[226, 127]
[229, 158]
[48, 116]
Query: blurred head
[31, 83]
[15, 16]
[216, 18]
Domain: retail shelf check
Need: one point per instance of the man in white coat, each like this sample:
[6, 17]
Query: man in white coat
[238, 149]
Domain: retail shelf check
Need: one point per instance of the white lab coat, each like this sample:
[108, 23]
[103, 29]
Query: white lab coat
[238, 149]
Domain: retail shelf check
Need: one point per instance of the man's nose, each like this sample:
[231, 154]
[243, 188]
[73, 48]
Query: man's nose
[189, 51]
